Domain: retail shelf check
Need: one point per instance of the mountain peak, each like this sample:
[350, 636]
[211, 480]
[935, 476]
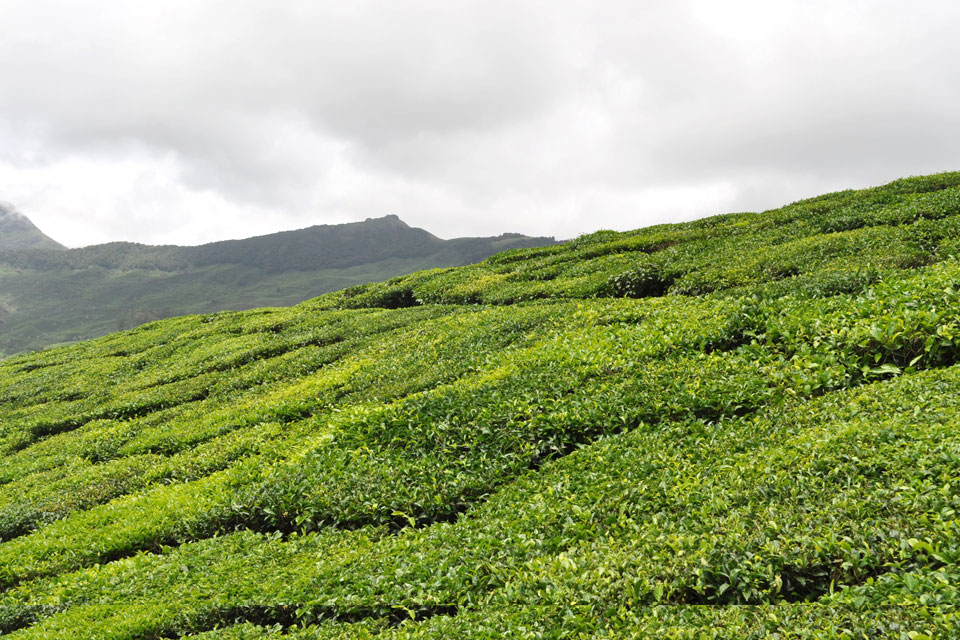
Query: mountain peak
[17, 232]
[9, 212]
[391, 218]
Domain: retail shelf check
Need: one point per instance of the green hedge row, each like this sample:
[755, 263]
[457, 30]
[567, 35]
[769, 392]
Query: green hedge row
[685, 513]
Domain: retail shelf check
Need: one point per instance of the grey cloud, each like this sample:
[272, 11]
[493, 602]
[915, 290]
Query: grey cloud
[455, 114]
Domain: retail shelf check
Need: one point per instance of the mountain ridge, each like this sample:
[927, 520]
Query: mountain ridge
[53, 295]
[375, 238]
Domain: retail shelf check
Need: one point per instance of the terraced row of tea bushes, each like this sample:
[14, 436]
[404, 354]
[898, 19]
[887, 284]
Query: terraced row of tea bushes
[432, 455]
[204, 345]
[203, 348]
[168, 432]
[842, 276]
[207, 436]
[44, 497]
[870, 248]
[801, 524]
[98, 526]
[895, 211]
[280, 371]
[552, 360]
[669, 623]
[540, 622]
[921, 197]
[853, 491]
[901, 323]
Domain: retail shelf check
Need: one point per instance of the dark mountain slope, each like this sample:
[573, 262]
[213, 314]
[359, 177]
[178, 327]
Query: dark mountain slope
[52, 296]
[590, 440]
[17, 232]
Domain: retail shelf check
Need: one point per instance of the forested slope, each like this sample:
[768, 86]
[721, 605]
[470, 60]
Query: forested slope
[51, 296]
[583, 440]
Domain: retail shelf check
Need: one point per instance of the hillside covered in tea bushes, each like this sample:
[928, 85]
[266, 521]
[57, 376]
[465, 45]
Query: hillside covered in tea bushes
[583, 440]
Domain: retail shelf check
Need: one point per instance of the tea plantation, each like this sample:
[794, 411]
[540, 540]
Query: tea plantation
[586, 440]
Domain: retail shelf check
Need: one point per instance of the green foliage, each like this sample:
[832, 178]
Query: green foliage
[640, 282]
[587, 440]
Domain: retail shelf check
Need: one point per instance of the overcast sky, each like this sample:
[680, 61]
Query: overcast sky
[186, 121]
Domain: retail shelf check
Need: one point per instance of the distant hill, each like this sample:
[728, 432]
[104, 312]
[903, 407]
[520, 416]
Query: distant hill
[50, 295]
[17, 232]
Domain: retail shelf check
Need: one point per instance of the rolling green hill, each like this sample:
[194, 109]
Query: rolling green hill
[585, 440]
[49, 295]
